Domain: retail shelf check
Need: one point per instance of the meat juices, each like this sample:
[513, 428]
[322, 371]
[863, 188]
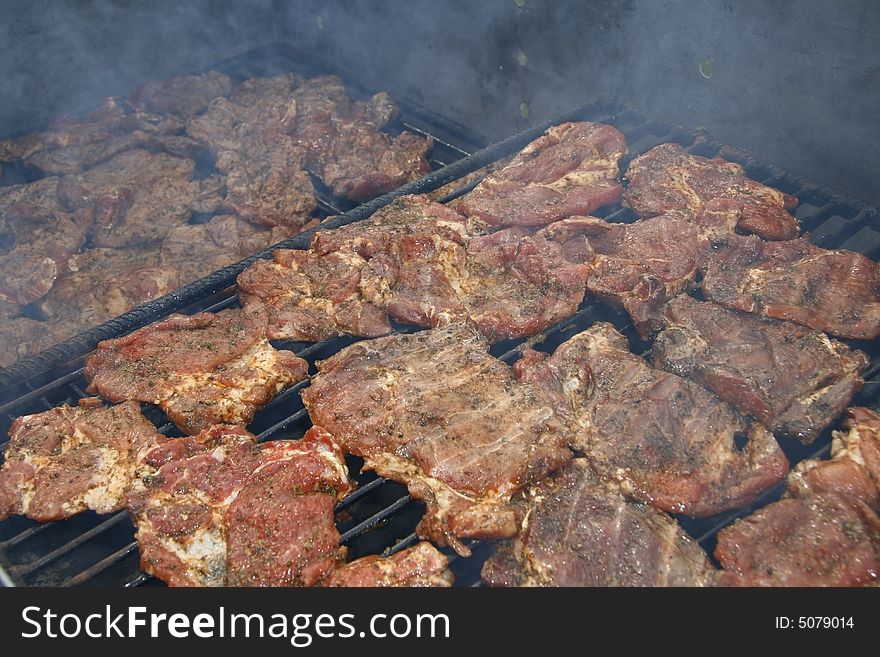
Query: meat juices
[223, 510]
[201, 370]
[826, 531]
[72, 459]
[436, 412]
[667, 178]
[572, 169]
[834, 291]
[580, 531]
[664, 439]
[794, 380]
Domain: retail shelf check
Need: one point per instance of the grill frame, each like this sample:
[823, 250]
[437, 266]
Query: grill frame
[380, 517]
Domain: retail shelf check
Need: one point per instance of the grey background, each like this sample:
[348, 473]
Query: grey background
[795, 81]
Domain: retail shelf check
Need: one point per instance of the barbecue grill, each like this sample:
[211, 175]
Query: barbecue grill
[379, 517]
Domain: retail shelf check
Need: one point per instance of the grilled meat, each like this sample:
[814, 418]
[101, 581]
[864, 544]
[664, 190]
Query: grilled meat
[224, 510]
[826, 531]
[794, 380]
[570, 170]
[579, 531]
[201, 370]
[469, 178]
[19, 337]
[183, 96]
[666, 440]
[72, 459]
[667, 178]
[421, 565]
[436, 412]
[834, 291]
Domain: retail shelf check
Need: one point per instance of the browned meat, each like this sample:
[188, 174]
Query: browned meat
[37, 236]
[436, 412]
[826, 533]
[570, 170]
[423, 264]
[201, 370]
[19, 337]
[579, 531]
[836, 291]
[469, 178]
[668, 178]
[421, 565]
[72, 459]
[794, 380]
[184, 95]
[346, 148]
[666, 440]
[138, 196]
[224, 510]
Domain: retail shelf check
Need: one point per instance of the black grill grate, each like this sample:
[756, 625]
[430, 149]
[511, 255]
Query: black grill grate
[380, 517]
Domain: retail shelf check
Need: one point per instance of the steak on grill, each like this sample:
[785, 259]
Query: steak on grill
[572, 169]
[201, 370]
[421, 565]
[223, 510]
[183, 96]
[834, 291]
[668, 178]
[666, 440]
[580, 531]
[72, 459]
[794, 380]
[435, 411]
[826, 532]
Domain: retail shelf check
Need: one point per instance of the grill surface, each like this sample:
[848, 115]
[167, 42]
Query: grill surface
[379, 517]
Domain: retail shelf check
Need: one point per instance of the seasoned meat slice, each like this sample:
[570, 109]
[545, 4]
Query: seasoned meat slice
[201, 370]
[345, 145]
[436, 412]
[826, 531]
[19, 337]
[834, 291]
[668, 178]
[572, 169]
[423, 264]
[666, 440]
[72, 459]
[421, 565]
[580, 531]
[794, 380]
[223, 510]
[136, 197]
[184, 95]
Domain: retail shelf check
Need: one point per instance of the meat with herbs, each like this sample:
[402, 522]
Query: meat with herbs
[435, 411]
[572, 169]
[71, 459]
[183, 96]
[826, 531]
[224, 510]
[418, 566]
[668, 178]
[665, 440]
[202, 369]
[581, 531]
[834, 291]
[794, 380]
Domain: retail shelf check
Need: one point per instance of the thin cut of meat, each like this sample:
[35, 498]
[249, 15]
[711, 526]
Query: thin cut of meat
[19, 337]
[572, 169]
[826, 532]
[421, 263]
[201, 369]
[223, 510]
[345, 145]
[418, 566]
[435, 411]
[834, 291]
[72, 459]
[794, 380]
[665, 440]
[184, 95]
[580, 531]
[667, 178]
[469, 179]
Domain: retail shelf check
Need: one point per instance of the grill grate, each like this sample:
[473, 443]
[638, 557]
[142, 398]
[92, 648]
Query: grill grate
[380, 517]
